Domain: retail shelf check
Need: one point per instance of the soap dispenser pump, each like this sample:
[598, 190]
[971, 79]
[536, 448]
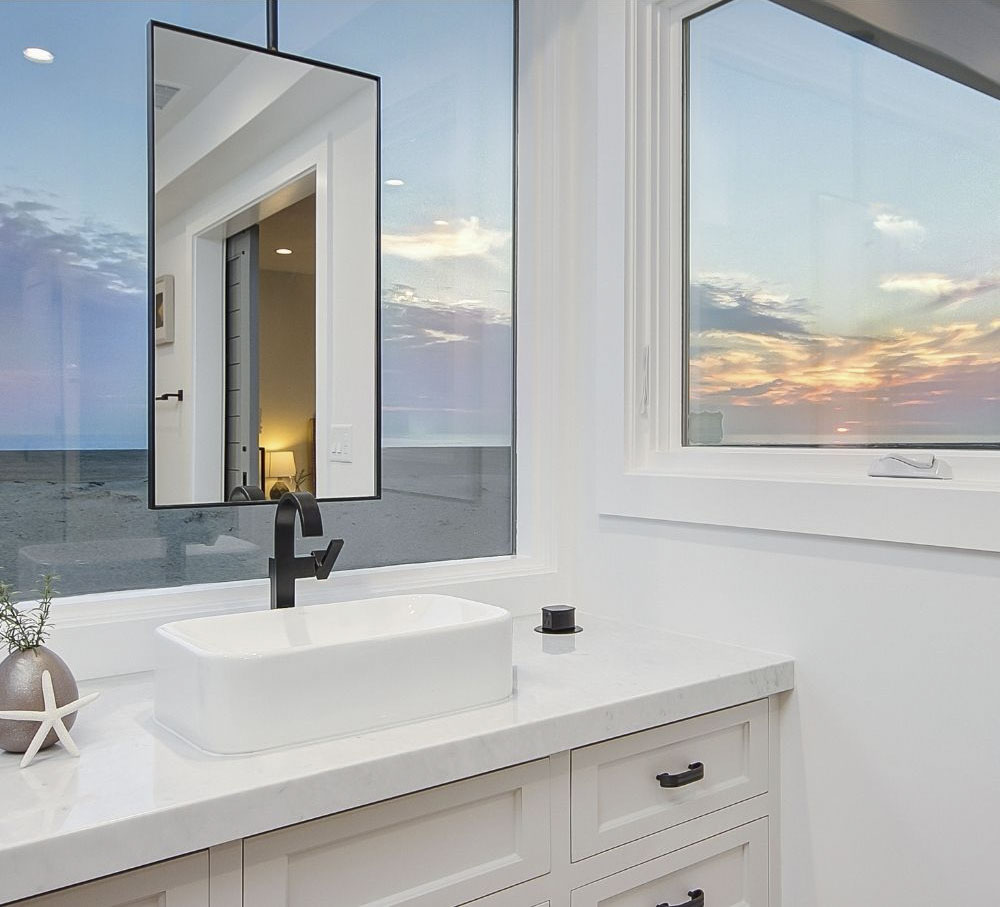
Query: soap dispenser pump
[558, 619]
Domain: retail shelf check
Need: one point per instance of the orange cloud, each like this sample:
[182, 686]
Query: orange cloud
[789, 369]
[470, 238]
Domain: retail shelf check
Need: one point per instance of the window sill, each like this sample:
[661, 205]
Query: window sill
[946, 514]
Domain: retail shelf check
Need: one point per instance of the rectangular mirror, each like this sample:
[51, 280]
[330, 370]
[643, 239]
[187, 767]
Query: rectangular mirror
[264, 274]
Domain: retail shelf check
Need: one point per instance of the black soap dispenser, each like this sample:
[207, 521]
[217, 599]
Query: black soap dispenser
[558, 619]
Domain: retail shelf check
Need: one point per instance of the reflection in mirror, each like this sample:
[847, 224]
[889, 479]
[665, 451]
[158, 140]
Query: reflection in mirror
[264, 235]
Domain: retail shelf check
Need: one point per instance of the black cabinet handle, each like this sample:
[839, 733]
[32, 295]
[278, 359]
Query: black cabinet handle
[695, 772]
[697, 900]
[179, 397]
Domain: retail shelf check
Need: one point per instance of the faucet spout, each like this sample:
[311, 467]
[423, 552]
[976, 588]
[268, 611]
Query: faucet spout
[284, 567]
[294, 506]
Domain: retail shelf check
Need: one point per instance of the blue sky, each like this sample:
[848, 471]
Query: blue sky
[73, 208]
[845, 238]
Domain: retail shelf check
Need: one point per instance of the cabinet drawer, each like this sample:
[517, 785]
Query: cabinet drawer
[729, 869]
[448, 845]
[616, 797]
[176, 883]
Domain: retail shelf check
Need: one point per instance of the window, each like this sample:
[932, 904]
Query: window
[73, 310]
[809, 270]
[843, 240]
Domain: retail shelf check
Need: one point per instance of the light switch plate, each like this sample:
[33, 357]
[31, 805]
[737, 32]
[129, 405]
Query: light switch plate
[341, 443]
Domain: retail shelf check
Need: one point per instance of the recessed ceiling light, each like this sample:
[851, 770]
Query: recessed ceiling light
[283, 251]
[38, 55]
[440, 223]
[395, 182]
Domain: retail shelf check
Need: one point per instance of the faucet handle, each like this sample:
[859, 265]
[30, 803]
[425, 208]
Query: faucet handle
[326, 559]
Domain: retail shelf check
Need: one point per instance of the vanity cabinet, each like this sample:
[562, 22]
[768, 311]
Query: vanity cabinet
[183, 882]
[621, 823]
[730, 870]
[637, 821]
[617, 794]
[448, 845]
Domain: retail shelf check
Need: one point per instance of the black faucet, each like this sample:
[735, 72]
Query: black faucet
[284, 568]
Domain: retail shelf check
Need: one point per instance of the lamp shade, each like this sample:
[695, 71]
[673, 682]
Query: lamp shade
[282, 463]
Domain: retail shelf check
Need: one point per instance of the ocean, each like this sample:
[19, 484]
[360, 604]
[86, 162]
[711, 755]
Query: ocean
[83, 515]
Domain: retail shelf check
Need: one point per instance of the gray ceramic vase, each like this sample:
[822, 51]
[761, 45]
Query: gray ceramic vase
[21, 691]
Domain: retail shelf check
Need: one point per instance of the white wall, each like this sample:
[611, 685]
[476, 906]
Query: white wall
[346, 336]
[890, 741]
[173, 421]
[287, 367]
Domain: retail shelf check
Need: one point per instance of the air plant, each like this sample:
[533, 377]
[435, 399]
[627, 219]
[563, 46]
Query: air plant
[23, 628]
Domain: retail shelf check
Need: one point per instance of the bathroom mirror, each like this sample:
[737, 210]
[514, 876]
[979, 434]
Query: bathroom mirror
[264, 274]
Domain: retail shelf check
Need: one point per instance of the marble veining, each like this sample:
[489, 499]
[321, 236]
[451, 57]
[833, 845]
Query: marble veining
[138, 794]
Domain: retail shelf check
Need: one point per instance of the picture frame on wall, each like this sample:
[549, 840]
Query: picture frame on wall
[163, 309]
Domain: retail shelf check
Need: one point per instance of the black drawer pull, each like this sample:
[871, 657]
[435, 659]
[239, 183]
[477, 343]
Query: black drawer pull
[695, 772]
[697, 900]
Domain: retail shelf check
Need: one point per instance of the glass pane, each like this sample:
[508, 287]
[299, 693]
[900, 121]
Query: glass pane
[73, 486]
[447, 227]
[843, 240]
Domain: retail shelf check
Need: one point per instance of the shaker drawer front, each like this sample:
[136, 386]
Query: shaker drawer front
[448, 845]
[182, 882]
[729, 870]
[637, 785]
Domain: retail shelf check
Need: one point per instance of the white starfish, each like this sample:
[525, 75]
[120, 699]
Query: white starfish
[51, 718]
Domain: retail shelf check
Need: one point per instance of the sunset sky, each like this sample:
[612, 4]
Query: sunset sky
[845, 238]
[844, 205]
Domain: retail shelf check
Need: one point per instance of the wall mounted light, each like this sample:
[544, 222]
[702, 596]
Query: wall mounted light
[283, 251]
[395, 182]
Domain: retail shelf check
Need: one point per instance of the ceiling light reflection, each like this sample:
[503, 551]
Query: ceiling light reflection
[38, 55]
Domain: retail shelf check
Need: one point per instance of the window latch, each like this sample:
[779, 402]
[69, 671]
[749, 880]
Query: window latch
[644, 390]
[897, 466]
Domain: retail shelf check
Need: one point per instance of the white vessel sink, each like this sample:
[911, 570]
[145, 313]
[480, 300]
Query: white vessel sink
[241, 683]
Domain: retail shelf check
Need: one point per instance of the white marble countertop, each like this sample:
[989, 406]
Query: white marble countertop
[138, 794]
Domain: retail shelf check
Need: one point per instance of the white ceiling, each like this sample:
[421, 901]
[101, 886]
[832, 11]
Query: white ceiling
[195, 65]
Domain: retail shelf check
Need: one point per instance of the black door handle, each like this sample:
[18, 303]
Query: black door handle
[695, 772]
[697, 900]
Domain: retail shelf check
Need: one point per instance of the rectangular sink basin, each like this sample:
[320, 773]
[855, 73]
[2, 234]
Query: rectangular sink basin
[240, 683]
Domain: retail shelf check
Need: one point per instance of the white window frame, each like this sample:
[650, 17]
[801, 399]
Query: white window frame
[651, 474]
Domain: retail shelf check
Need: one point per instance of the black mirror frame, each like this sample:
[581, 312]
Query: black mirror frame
[151, 261]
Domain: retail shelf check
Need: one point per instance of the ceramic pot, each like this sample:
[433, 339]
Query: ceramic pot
[21, 691]
[277, 490]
